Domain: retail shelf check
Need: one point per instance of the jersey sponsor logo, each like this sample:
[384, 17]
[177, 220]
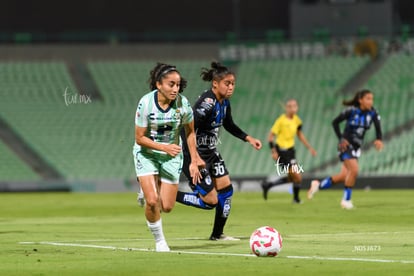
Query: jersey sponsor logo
[152, 117]
[216, 124]
[201, 111]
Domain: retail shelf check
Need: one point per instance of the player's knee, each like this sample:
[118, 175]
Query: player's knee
[295, 177]
[152, 202]
[210, 198]
[353, 173]
[166, 208]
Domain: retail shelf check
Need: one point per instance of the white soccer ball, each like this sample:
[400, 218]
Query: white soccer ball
[266, 241]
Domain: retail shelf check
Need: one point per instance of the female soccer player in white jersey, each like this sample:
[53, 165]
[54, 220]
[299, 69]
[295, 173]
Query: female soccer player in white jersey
[158, 158]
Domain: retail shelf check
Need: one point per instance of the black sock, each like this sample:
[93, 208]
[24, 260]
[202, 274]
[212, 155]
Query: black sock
[296, 189]
[193, 199]
[222, 210]
[278, 181]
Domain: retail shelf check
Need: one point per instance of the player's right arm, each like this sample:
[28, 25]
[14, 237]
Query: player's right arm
[141, 125]
[343, 143]
[271, 138]
[144, 141]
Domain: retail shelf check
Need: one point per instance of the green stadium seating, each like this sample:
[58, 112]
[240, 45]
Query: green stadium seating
[94, 140]
[13, 168]
[266, 85]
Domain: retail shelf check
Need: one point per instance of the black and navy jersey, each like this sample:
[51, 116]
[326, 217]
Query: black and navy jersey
[357, 123]
[209, 116]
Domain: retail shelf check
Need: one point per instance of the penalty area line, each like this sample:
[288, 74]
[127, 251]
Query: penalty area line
[218, 253]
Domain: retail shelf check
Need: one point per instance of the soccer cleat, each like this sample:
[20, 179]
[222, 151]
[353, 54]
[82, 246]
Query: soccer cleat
[314, 187]
[162, 246]
[266, 187]
[297, 201]
[347, 204]
[141, 199]
[224, 238]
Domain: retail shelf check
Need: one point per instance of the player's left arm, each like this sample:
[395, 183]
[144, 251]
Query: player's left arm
[378, 131]
[231, 127]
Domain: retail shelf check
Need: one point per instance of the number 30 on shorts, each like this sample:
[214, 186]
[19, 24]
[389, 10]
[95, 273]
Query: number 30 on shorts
[219, 169]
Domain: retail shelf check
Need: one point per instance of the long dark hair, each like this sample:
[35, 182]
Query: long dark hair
[355, 100]
[160, 71]
[217, 72]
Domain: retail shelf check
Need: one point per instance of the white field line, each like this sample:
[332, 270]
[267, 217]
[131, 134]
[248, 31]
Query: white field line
[246, 237]
[137, 239]
[218, 253]
[136, 249]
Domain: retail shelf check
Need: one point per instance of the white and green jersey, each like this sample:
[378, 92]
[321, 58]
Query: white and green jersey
[163, 126]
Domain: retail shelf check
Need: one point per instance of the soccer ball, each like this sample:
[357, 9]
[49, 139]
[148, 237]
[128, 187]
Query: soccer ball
[266, 241]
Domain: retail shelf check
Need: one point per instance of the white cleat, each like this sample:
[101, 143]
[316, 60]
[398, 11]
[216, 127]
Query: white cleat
[162, 246]
[314, 187]
[347, 204]
[141, 199]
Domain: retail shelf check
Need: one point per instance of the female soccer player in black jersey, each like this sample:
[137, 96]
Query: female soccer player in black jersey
[358, 116]
[211, 111]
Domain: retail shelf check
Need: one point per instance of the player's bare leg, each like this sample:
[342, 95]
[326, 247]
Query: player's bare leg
[151, 188]
[351, 175]
[316, 185]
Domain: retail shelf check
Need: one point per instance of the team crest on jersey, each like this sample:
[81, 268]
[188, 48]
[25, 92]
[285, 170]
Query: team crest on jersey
[177, 115]
[209, 100]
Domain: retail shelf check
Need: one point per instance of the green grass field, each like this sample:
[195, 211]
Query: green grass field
[106, 234]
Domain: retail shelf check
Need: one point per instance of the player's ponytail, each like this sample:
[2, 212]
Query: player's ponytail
[355, 100]
[217, 72]
[160, 71]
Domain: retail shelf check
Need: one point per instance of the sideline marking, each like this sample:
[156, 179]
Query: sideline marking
[218, 253]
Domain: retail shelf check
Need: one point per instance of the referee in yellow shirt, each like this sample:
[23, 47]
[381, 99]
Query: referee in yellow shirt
[282, 141]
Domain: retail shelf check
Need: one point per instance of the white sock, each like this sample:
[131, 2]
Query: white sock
[156, 230]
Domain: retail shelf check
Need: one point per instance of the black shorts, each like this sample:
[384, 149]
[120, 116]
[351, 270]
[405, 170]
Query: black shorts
[351, 152]
[215, 166]
[286, 156]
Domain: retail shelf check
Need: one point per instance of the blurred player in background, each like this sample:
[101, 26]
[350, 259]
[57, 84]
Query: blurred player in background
[211, 111]
[282, 141]
[158, 158]
[359, 116]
